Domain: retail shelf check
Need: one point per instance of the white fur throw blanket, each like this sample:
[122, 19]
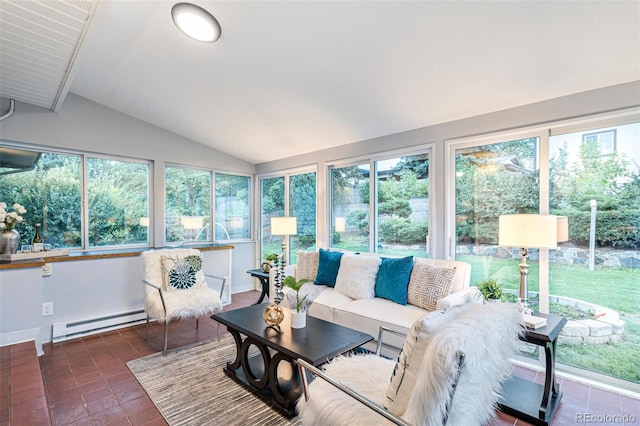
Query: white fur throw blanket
[195, 302]
[488, 336]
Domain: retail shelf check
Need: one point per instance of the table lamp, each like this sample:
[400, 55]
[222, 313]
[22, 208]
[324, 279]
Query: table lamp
[530, 231]
[192, 223]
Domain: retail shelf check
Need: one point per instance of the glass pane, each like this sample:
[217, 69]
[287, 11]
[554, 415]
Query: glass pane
[492, 180]
[187, 208]
[272, 205]
[302, 205]
[232, 207]
[403, 205]
[595, 276]
[118, 200]
[350, 207]
[51, 193]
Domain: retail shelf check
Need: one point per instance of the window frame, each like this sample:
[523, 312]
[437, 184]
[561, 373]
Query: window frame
[286, 175]
[543, 132]
[212, 203]
[426, 149]
[84, 190]
[85, 195]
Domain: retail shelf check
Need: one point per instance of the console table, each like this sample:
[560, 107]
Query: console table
[263, 277]
[532, 402]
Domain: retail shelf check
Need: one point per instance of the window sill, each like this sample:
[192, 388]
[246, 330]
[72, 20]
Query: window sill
[106, 254]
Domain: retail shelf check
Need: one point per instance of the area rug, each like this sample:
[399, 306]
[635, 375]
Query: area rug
[189, 387]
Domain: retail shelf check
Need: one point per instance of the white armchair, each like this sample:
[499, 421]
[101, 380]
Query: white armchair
[450, 372]
[176, 287]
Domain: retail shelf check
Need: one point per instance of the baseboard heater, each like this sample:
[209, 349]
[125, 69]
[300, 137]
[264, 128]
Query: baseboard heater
[72, 330]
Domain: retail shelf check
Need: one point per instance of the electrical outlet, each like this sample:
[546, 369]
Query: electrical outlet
[47, 309]
[47, 269]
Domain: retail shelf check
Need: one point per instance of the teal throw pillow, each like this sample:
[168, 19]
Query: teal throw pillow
[328, 265]
[392, 281]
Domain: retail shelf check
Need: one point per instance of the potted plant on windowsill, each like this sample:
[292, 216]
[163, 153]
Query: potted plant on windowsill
[491, 290]
[299, 315]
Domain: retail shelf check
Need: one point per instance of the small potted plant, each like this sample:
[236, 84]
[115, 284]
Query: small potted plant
[269, 259]
[491, 290]
[298, 317]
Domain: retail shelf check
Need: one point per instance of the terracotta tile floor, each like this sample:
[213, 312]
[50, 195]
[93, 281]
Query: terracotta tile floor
[87, 381]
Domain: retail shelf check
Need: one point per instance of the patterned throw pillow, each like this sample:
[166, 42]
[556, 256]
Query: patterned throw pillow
[428, 284]
[307, 266]
[180, 273]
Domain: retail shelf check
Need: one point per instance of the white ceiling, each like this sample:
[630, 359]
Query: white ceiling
[291, 77]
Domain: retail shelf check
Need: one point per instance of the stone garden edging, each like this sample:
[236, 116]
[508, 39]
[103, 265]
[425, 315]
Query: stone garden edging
[605, 326]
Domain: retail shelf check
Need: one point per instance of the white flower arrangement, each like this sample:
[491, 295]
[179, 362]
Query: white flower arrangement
[8, 220]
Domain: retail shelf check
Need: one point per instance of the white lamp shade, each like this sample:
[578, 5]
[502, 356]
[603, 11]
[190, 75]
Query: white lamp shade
[341, 224]
[286, 225]
[528, 231]
[192, 222]
[144, 221]
[563, 229]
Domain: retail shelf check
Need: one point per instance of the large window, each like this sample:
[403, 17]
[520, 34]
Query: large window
[302, 205]
[188, 215]
[51, 193]
[596, 183]
[118, 199]
[350, 207]
[395, 220]
[271, 205]
[51, 189]
[289, 195]
[187, 205]
[592, 176]
[233, 219]
[490, 180]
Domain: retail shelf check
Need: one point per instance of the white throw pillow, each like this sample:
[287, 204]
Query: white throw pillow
[357, 276]
[428, 284]
[409, 362]
[307, 265]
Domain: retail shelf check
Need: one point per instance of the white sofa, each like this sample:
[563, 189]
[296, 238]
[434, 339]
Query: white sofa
[367, 315]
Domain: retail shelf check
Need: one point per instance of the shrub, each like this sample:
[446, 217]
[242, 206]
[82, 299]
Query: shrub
[401, 230]
[396, 207]
[357, 218]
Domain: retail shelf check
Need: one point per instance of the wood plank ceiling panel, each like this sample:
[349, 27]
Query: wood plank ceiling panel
[38, 43]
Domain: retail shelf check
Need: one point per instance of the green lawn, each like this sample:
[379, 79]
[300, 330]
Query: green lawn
[615, 288]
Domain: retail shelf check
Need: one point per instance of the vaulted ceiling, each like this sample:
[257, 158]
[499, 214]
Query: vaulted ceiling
[291, 77]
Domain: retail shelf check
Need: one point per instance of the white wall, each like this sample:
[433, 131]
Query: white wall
[20, 305]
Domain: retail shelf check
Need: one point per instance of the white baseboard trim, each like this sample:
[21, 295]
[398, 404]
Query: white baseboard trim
[21, 336]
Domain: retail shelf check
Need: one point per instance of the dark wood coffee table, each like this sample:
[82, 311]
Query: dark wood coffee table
[317, 343]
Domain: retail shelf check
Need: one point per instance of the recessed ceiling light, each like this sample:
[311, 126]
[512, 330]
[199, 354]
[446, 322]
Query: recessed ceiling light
[196, 22]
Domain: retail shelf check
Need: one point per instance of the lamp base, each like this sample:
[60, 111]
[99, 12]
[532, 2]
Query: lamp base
[523, 306]
[523, 291]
